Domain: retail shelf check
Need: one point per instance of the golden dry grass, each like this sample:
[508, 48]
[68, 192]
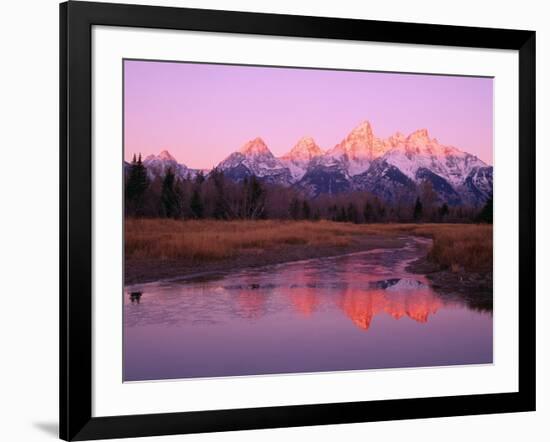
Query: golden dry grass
[469, 248]
[455, 246]
[211, 240]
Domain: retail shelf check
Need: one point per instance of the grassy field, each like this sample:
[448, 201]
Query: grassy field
[455, 246]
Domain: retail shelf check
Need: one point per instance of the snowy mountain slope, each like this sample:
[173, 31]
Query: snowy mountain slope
[158, 165]
[387, 182]
[477, 187]
[300, 156]
[254, 158]
[418, 150]
[324, 179]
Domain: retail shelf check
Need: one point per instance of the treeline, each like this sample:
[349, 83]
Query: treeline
[218, 197]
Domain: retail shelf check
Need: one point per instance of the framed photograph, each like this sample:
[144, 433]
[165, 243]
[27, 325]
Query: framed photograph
[273, 220]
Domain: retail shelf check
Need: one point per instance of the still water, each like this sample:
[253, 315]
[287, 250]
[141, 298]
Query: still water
[353, 312]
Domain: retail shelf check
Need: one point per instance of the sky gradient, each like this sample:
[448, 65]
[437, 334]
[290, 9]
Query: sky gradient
[201, 113]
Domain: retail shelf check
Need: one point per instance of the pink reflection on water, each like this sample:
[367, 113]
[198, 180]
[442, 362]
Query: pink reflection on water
[304, 301]
[250, 303]
[361, 307]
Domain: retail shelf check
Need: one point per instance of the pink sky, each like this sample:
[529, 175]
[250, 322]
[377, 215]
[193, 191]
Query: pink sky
[201, 113]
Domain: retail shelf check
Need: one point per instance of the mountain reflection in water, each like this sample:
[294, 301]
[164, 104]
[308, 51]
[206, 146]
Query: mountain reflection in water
[361, 307]
[356, 311]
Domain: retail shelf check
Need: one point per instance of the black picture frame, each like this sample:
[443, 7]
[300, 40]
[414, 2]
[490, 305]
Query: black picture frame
[76, 21]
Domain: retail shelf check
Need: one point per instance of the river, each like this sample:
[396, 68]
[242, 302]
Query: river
[353, 312]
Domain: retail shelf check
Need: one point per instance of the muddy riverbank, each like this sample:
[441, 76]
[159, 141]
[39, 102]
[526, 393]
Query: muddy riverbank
[476, 288]
[153, 269]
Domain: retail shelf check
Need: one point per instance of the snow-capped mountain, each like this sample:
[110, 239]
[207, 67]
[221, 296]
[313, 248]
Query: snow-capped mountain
[254, 158]
[158, 165]
[394, 168]
[356, 152]
[300, 156]
[419, 151]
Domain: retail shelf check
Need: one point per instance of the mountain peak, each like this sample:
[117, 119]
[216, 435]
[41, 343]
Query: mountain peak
[420, 135]
[361, 134]
[256, 146]
[307, 140]
[359, 146]
[304, 149]
[396, 139]
[165, 155]
[364, 128]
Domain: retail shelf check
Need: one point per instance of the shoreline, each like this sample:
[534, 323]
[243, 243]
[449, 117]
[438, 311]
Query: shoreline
[140, 271]
[474, 287]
